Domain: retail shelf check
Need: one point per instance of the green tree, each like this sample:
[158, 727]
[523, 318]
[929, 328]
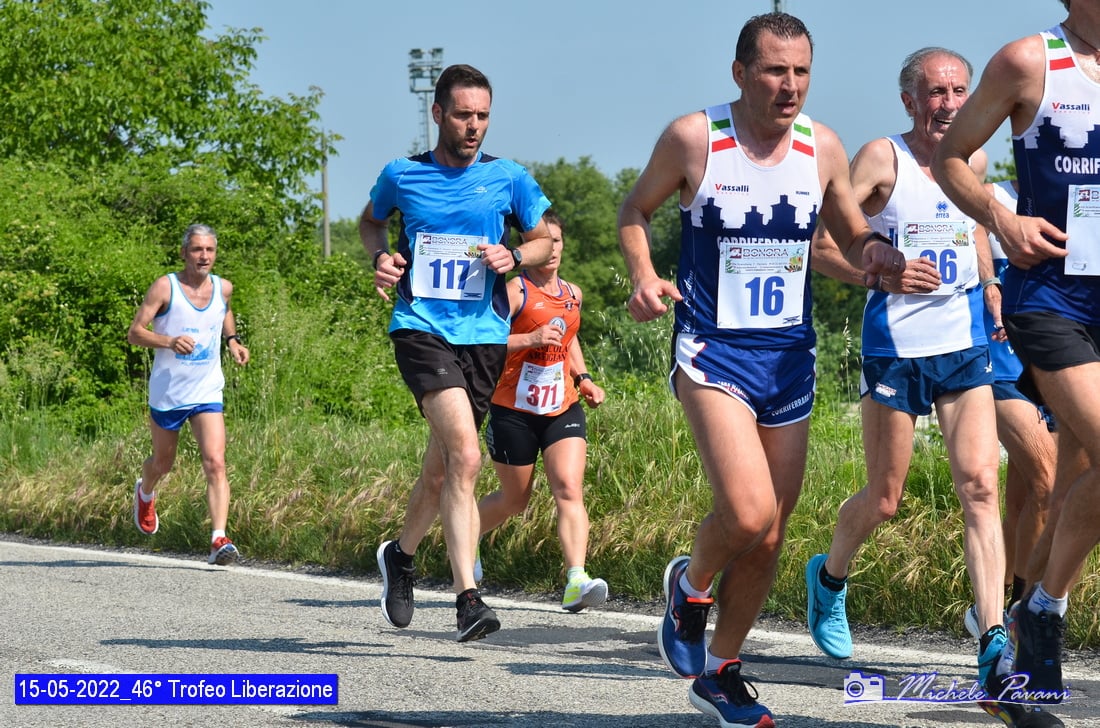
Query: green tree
[88, 82]
[344, 239]
[588, 202]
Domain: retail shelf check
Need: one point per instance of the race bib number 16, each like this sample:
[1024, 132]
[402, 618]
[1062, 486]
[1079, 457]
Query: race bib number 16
[448, 267]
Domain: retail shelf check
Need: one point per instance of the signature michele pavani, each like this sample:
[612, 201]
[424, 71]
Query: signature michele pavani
[929, 687]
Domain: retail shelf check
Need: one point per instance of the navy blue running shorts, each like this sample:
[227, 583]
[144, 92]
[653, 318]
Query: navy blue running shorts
[777, 385]
[913, 384]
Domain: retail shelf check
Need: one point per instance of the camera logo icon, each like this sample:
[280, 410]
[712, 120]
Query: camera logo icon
[861, 688]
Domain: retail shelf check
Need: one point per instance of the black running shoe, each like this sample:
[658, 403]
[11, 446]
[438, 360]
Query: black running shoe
[1039, 639]
[725, 695]
[1015, 715]
[397, 586]
[475, 620]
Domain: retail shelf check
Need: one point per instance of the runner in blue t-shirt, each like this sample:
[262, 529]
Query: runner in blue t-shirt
[451, 320]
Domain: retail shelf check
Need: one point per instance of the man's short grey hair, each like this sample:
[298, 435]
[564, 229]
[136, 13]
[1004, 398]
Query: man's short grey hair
[912, 69]
[194, 230]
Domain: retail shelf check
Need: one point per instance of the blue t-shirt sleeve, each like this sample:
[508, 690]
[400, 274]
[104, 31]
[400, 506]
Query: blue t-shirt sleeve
[528, 201]
[384, 193]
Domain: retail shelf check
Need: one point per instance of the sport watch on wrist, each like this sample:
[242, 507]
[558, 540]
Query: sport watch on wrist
[517, 256]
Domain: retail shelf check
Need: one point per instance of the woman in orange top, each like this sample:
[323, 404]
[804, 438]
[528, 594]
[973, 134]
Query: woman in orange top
[536, 408]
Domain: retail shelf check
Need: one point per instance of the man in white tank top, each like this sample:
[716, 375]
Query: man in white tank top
[189, 314]
[1047, 86]
[723, 305]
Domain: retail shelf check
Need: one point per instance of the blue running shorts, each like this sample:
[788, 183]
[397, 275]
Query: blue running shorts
[913, 384]
[173, 419]
[777, 385]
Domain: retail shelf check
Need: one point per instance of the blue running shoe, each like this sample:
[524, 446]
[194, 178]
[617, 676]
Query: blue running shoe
[725, 695]
[991, 655]
[825, 613]
[681, 637]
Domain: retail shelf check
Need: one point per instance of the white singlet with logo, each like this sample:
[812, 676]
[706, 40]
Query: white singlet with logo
[924, 223]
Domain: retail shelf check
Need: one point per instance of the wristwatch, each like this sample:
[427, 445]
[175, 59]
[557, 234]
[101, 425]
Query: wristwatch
[517, 256]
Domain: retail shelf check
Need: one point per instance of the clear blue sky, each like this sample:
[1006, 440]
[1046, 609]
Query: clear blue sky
[595, 78]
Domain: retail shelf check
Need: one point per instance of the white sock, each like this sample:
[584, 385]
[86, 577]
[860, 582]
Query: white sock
[574, 572]
[692, 591]
[1041, 601]
[218, 533]
[146, 497]
[714, 662]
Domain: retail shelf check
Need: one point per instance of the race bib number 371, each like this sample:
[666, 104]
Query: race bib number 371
[448, 267]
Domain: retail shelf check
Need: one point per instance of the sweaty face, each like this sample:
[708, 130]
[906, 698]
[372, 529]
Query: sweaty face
[462, 125]
[774, 85]
[938, 96]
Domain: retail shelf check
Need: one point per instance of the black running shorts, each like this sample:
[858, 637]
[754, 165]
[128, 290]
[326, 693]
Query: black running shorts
[515, 438]
[1050, 342]
[429, 363]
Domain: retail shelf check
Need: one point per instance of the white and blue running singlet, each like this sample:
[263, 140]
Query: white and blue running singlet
[446, 212]
[922, 222]
[1058, 170]
[188, 380]
[745, 243]
[1006, 365]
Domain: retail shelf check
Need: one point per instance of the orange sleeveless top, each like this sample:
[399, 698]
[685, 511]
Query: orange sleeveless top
[539, 380]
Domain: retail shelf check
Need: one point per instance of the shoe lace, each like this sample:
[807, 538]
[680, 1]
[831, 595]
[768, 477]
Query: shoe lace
[1050, 632]
[403, 581]
[470, 603]
[736, 687]
[692, 618]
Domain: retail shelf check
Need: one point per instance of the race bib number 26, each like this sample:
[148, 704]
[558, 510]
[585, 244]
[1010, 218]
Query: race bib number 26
[947, 244]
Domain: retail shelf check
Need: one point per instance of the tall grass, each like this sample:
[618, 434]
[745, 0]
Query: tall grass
[325, 445]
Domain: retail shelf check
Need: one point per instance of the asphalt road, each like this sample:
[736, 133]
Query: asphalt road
[81, 612]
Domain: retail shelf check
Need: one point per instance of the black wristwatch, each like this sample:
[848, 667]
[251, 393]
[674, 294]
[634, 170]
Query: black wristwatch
[517, 255]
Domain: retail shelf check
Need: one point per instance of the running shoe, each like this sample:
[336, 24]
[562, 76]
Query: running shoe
[475, 620]
[223, 552]
[825, 613]
[970, 622]
[397, 586]
[681, 636]
[1039, 639]
[1015, 715]
[145, 514]
[725, 695]
[583, 592]
[991, 655]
